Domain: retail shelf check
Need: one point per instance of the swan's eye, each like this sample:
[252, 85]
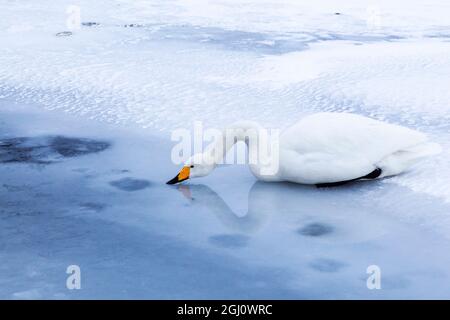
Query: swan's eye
[192, 166]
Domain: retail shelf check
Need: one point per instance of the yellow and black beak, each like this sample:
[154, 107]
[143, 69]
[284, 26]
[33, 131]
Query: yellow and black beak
[183, 175]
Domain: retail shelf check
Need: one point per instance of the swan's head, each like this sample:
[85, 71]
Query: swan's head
[196, 166]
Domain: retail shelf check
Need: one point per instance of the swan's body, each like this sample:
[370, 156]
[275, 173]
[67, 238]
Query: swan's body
[328, 148]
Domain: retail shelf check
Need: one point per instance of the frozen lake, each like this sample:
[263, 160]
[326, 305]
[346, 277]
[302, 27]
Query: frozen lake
[85, 123]
[94, 196]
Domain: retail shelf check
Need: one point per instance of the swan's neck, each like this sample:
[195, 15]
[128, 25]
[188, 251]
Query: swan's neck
[263, 148]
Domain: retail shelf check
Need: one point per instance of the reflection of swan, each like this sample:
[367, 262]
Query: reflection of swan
[326, 149]
[202, 196]
[339, 216]
[325, 215]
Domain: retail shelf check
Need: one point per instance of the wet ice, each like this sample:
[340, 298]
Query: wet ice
[326, 265]
[225, 235]
[45, 150]
[229, 240]
[315, 229]
[130, 184]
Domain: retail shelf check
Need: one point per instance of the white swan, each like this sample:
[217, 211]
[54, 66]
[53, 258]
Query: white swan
[325, 149]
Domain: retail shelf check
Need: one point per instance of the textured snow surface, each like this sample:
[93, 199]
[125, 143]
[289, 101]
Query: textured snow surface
[181, 61]
[153, 66]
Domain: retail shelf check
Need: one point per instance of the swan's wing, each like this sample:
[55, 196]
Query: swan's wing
[342, 146]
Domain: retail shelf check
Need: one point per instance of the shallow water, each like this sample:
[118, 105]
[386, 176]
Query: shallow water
[223, 236]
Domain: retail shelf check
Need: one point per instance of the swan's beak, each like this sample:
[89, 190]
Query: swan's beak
[183, 175]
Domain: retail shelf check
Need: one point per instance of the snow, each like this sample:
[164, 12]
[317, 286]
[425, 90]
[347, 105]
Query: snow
[149, 67]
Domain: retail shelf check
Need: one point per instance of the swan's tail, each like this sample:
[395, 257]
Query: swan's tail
[402, 160]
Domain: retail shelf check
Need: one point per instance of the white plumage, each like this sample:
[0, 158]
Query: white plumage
[333, 147]
[327, 148]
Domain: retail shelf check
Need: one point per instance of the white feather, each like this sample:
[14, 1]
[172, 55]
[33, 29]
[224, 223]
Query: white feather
[332, 147]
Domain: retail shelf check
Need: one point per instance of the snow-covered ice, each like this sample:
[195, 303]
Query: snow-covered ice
[137, 70]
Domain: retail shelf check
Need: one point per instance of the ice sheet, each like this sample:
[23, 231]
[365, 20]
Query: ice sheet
[152, 66]
[225, 236]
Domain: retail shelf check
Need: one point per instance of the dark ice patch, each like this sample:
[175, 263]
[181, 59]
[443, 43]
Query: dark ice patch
[134, 25]
[229, 240]
[326, 265]
[90, 24]
[24, 149]
[74, 147]
[130, 184]
[315, 229]
[11, 142]
[64, 34]
[46, 150]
